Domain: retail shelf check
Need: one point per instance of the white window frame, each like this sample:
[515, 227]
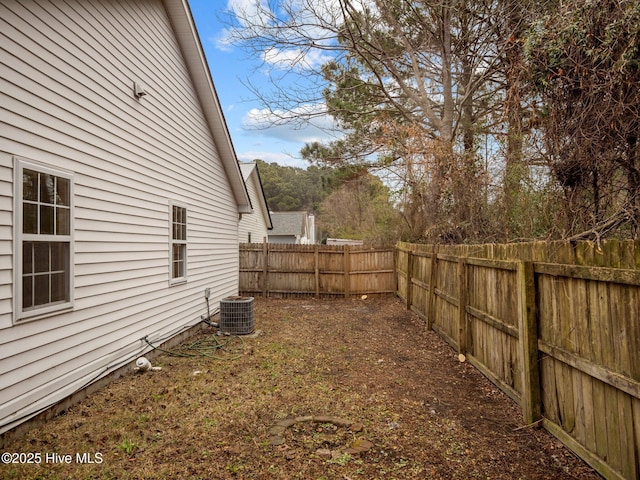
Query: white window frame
[176, 280]
[35, 312]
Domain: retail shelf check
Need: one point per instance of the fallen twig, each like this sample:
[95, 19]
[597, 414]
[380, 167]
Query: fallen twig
[530, 425]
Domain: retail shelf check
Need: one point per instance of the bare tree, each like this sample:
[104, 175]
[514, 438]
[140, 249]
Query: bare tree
[418, 85]
[584, 62]
[361, 209]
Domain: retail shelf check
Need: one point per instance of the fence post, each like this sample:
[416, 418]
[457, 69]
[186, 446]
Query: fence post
[317, 270]
[396, 254]
[528, 343]
[431, 304]
[347, 272]
[265, 267]
[463, 299]
[409, 278]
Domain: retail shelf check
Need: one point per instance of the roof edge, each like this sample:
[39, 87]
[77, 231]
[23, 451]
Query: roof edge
[189, 41]
[255, 171]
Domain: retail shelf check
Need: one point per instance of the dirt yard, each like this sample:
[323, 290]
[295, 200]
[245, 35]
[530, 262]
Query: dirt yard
[327, 389]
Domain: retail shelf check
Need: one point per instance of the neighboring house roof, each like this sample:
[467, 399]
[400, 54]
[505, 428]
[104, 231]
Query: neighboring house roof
[289, 223]
[187, 35]
[251, 168]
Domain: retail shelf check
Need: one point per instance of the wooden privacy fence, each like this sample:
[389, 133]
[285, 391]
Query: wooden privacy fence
[555, 325]
[271, 269]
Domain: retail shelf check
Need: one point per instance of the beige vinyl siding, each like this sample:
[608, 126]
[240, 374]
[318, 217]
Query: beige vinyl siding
[256, 223]
[67, 99]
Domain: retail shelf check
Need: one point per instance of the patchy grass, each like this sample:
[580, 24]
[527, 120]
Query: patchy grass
[421, 413]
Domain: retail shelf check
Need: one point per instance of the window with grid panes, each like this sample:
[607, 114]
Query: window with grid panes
[45, 215]
[178, 243]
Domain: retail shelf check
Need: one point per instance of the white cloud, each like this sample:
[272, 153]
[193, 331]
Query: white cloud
[256, 10]
[296, 22]
[270, 137]
[246, 14]
[223, 41]
[281, 158]
[263, 117]
[304, 124]
[295, 58]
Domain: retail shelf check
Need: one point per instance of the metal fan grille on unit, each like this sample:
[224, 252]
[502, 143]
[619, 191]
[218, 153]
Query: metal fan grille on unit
[236, 315]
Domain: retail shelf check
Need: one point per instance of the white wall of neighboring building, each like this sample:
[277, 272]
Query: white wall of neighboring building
[254, 228]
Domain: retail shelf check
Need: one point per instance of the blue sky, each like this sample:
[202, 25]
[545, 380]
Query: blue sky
[230, 67]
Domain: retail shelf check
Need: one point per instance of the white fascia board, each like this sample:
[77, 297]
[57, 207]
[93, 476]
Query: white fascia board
[189, 41]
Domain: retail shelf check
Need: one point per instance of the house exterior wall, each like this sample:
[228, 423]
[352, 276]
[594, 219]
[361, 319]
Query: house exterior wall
[253, 228]
[67, 103]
